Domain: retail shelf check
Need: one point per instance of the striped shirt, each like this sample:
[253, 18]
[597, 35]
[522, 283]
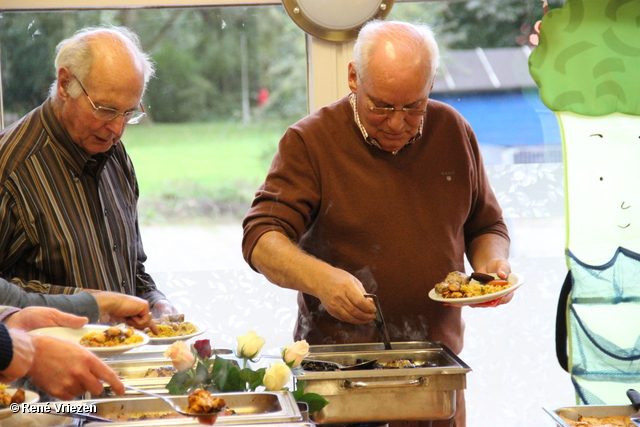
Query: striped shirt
[68, 221]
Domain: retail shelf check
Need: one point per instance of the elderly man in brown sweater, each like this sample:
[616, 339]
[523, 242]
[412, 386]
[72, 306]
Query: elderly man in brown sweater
[384, 192]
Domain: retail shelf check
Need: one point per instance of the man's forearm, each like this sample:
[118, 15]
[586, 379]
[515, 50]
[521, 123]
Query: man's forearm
[487, 247]
[282, 262]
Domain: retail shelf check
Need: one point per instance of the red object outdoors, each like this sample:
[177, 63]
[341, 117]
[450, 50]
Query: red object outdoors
[263, 96]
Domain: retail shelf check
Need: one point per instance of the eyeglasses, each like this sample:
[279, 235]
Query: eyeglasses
[107, 114]
[388, 111]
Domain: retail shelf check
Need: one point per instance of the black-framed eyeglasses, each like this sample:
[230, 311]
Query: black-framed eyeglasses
[107, 114]
[389, 111]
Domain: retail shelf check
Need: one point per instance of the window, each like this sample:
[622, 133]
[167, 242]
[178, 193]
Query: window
[231, 78]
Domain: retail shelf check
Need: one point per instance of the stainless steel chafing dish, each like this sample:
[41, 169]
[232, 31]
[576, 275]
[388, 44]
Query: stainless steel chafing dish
[250, 407]
[574, 412]
[133, 370]
[425, 392]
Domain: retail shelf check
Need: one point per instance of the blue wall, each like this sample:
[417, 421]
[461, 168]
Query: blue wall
[510, 118]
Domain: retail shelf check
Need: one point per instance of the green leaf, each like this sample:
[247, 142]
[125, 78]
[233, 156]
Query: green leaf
[225, 374]
[314, 400]
[177, 384]
[253, 378]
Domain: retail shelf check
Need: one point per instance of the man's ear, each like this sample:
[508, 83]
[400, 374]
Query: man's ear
[353, 77]
[64, 79]
[433, 80]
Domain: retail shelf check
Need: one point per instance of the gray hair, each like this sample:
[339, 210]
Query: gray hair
[75, 53]
[414, 37]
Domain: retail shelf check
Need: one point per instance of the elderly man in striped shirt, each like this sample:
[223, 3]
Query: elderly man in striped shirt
[68, 190]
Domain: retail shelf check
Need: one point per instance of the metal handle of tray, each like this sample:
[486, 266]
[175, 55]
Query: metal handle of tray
[422, 381]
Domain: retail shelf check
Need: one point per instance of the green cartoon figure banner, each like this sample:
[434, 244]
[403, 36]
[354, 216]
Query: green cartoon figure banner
[587, 67]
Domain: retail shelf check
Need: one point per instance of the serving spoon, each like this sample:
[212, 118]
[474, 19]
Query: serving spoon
[367, 364]
[176, 407]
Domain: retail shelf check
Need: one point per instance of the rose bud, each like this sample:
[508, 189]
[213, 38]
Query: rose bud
[277, 376]
[250, 345]
[180, 355]
[294, 353]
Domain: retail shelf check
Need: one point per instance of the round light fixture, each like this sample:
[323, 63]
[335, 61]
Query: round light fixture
[335, 20]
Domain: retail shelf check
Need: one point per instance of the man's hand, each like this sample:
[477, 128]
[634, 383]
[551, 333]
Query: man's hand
[342, 296]
[66, 370]
[502, 268]
[31, 318]
[122, 308]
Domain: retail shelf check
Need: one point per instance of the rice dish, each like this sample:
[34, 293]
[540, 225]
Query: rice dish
[174, 330]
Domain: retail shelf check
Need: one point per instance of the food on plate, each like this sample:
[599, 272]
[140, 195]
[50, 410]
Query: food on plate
[7, 398]
[172, 325]
[202, 402]
[613, 421]
[460, 285]
[110, 338]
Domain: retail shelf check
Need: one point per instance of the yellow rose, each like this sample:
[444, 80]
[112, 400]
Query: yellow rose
[180, 355]
[250, 345]
[277, 376]
[294, 353]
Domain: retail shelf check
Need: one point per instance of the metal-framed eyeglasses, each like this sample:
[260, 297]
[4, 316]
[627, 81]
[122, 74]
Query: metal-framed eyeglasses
[107, 114]
[389, 111]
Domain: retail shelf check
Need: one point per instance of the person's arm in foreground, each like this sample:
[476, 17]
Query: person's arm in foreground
[60, 368]
[285, 264]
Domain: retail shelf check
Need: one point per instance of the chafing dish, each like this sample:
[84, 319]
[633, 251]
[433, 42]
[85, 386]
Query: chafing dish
[156, 352]
[574, 412]
[425, 392]
[250, 408]
[133, 371]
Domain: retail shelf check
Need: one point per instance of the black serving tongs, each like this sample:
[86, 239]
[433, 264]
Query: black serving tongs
[379, 322]
[634, 397]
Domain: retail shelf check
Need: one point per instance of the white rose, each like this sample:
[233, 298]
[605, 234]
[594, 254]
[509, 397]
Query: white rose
[277, 376]
[294, 353]
[180, 355]
[250, 345]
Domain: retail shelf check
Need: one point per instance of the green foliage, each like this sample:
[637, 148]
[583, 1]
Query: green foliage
[173, 102]
[313, 400]
[211, 61]
[475, 23]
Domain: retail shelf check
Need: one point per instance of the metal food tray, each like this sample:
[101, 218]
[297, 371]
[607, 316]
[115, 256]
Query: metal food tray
[250, 408]
[380, 395]
[574, 412]
[156, 352]
[132, 372]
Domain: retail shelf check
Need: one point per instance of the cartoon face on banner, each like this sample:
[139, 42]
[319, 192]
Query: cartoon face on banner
[601, 178]
[587, 67]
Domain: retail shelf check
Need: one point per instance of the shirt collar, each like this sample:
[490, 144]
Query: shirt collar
[371, 140]
[74, 155]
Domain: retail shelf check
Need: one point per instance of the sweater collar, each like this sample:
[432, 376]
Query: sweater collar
[371, 140]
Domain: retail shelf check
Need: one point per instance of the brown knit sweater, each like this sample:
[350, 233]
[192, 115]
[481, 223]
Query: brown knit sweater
[399, 223]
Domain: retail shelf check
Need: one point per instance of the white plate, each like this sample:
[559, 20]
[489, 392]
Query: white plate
[29, 397]
[516, 280]
[169, 340]
[75, 335]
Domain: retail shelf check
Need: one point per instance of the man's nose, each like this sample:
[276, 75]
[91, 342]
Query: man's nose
[396, 119]
[116, 126]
